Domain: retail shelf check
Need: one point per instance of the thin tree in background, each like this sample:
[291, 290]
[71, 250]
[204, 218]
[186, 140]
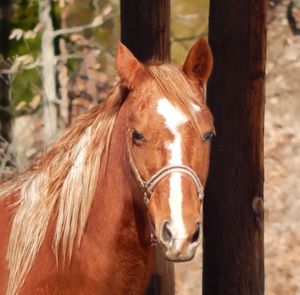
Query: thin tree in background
[48, 61]
[145, 30]
[5, 111]
[233, 207]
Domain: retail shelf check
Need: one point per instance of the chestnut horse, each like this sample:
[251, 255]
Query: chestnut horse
[83, 218]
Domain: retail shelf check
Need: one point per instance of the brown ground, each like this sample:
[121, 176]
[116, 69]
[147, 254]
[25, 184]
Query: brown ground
[282, 167]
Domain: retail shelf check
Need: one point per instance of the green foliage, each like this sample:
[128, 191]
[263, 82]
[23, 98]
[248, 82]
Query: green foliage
[25, 83]
[25, 14]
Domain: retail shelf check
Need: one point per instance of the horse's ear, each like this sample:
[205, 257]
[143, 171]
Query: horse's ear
[128, 67]
[198, 64]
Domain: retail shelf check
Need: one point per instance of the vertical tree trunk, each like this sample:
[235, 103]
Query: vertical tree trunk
[145, 30]
[5, 114]
[48, 71]
[63, 70]
[233, 209]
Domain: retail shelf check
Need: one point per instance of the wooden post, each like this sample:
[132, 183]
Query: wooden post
[233, 208]
[145, 30]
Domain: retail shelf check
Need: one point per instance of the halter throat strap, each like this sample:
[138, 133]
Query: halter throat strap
[148, 186]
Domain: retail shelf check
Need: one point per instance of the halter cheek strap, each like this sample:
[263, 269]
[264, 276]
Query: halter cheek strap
[148, 186]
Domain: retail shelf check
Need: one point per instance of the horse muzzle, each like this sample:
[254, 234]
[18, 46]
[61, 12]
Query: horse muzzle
[176, 248]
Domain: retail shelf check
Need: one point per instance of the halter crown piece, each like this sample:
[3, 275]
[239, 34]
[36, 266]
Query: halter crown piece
[148, 186]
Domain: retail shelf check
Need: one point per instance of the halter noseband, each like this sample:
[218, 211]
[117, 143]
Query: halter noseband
[148, 186]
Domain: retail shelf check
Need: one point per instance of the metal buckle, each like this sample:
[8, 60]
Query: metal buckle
[146, 197]
[201, 195]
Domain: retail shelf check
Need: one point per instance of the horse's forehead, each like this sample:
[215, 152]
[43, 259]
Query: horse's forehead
[172, 116]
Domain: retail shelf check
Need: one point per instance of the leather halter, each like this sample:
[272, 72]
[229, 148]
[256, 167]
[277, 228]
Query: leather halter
[148, 186]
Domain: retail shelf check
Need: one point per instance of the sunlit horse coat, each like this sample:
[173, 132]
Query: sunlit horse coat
[80, 219]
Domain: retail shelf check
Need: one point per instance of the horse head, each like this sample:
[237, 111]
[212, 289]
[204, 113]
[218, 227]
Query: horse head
[169, 128]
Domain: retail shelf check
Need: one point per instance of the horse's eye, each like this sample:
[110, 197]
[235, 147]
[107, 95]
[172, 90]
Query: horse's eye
[208, 136]
[137, 136]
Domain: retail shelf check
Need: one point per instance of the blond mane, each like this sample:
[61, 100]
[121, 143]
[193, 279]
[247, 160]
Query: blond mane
[61, 183]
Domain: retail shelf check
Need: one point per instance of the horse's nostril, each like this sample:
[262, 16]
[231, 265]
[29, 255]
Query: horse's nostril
[195, 236]
[166, 233]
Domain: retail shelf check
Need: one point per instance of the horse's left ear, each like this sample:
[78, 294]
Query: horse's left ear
[128, 67]
[198, 64]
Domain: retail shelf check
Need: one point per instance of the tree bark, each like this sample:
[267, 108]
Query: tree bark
[5, 111]
[145, 28]
[48, 72]
[233, 209]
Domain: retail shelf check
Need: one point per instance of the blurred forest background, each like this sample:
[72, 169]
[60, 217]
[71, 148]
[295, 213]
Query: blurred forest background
[70, 57]
[83, 37]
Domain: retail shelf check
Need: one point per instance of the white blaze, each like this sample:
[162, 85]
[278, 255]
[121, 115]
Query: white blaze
[174, 118]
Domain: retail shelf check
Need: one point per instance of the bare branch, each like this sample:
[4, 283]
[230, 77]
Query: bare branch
[9, 161]
[98, 21]
[6, 72]
[33, 65]
[190, 38]
[37, 63]
[190, 16]
[14, 70]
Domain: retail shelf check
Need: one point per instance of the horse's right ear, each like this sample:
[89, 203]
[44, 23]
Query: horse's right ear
[198, 64]
[128, 67]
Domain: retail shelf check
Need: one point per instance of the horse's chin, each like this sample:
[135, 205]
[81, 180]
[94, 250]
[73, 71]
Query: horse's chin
[180, 259]
[174, 257]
